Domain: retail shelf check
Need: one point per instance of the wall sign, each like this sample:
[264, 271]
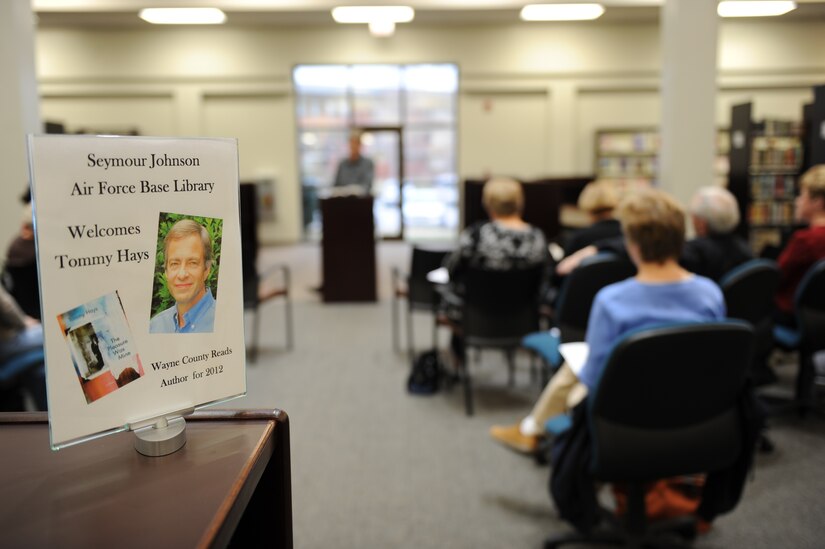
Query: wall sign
[138, 244]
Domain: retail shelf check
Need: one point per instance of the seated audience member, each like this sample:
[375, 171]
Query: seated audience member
[714, 251]
[806, 246]
[662, 291]
[20, 276]
[504, 243]
[598, 199]
[19, 334]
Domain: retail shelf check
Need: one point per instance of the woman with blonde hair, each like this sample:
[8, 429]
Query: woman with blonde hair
[598, 198]
[504, 243]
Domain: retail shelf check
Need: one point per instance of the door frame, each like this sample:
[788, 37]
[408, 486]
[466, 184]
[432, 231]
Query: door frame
[399, 130]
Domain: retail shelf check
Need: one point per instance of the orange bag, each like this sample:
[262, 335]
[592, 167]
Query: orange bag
[668, 498]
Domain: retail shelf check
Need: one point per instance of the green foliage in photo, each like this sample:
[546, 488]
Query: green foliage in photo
[161, 298]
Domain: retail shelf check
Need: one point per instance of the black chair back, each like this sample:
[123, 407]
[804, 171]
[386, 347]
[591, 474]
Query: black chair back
[421, 293]
[809, 304]
[580, 288]
[666, 404]
[21, 281]
[749, 290]
[500, 307]
[249, 243]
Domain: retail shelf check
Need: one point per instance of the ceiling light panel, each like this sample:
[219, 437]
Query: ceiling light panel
[368, 14]
[763, 8]
[183, 16]
[561, 12]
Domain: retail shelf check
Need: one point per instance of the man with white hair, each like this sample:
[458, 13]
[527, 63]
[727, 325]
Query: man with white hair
[716, 249]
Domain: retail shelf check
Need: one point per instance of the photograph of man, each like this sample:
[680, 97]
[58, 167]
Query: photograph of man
[187, 263]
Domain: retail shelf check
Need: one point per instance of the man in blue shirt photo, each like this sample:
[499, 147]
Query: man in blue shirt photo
[187, 252]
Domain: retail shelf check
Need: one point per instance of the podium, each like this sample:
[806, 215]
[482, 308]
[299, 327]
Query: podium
[230, 484]
[348, 249]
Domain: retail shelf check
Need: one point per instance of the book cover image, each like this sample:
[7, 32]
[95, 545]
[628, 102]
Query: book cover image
[101, 346]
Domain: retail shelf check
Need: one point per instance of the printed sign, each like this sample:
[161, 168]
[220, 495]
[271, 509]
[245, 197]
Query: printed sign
[139, 251]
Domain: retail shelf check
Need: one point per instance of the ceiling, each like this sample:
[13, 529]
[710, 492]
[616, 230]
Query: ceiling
[123, 13]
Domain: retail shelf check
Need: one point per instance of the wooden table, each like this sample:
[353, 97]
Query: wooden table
[228, 486]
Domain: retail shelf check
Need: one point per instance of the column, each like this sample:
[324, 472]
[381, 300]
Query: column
[19, 109]
[562, 128]
[688, 92]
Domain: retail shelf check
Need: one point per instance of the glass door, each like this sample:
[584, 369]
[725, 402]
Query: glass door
[384, 146]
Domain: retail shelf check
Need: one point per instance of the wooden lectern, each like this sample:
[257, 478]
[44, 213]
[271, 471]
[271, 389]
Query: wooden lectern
[348, 249]
[228, 486]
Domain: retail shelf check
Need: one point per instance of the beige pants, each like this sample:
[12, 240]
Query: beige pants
[562, 393]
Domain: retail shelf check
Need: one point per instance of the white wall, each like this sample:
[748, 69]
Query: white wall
[531, 95]
[504, 134]
[19, 113]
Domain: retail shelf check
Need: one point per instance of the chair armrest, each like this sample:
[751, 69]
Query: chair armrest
[397, 275]
[274, 281]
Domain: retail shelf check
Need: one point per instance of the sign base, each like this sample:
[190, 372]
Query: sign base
[163, 438]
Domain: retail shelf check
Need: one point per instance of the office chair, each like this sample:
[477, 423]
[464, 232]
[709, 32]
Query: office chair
[808, 338]
[273, 283]
[749, 290]
[573, 306]
[419, 293]
[260, 287]
[20, 374]
[665, 406]
[499, 309]
[22, 283]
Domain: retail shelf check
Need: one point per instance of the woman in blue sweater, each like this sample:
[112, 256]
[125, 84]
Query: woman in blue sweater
[662, 291]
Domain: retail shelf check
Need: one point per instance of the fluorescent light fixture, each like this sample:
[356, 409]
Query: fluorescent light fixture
[368, 14]
[382, 27]
[183, 16]
[561, 12]
[765, 8]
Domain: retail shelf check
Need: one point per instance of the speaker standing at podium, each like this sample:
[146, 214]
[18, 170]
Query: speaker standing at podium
[355, 170]
[348, 242]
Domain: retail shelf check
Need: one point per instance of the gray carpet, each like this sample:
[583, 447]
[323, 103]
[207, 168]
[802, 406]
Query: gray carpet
[373, 467]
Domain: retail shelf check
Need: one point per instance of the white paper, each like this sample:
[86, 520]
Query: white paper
[439, 276]
[100, 203]
[556, 251]
[575, 354]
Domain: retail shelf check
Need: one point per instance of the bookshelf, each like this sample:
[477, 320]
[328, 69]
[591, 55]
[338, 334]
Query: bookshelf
[765, 162]
[628, 156]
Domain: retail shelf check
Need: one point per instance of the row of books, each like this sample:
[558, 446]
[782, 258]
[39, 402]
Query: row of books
[781, 127]
[773, 186]
[630, 142]
[770, 213]
[624, 166]
[776, 153]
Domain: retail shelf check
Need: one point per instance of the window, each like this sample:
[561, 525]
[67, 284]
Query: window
[417, 103]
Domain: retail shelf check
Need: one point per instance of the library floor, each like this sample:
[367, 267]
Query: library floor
[374, 467]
